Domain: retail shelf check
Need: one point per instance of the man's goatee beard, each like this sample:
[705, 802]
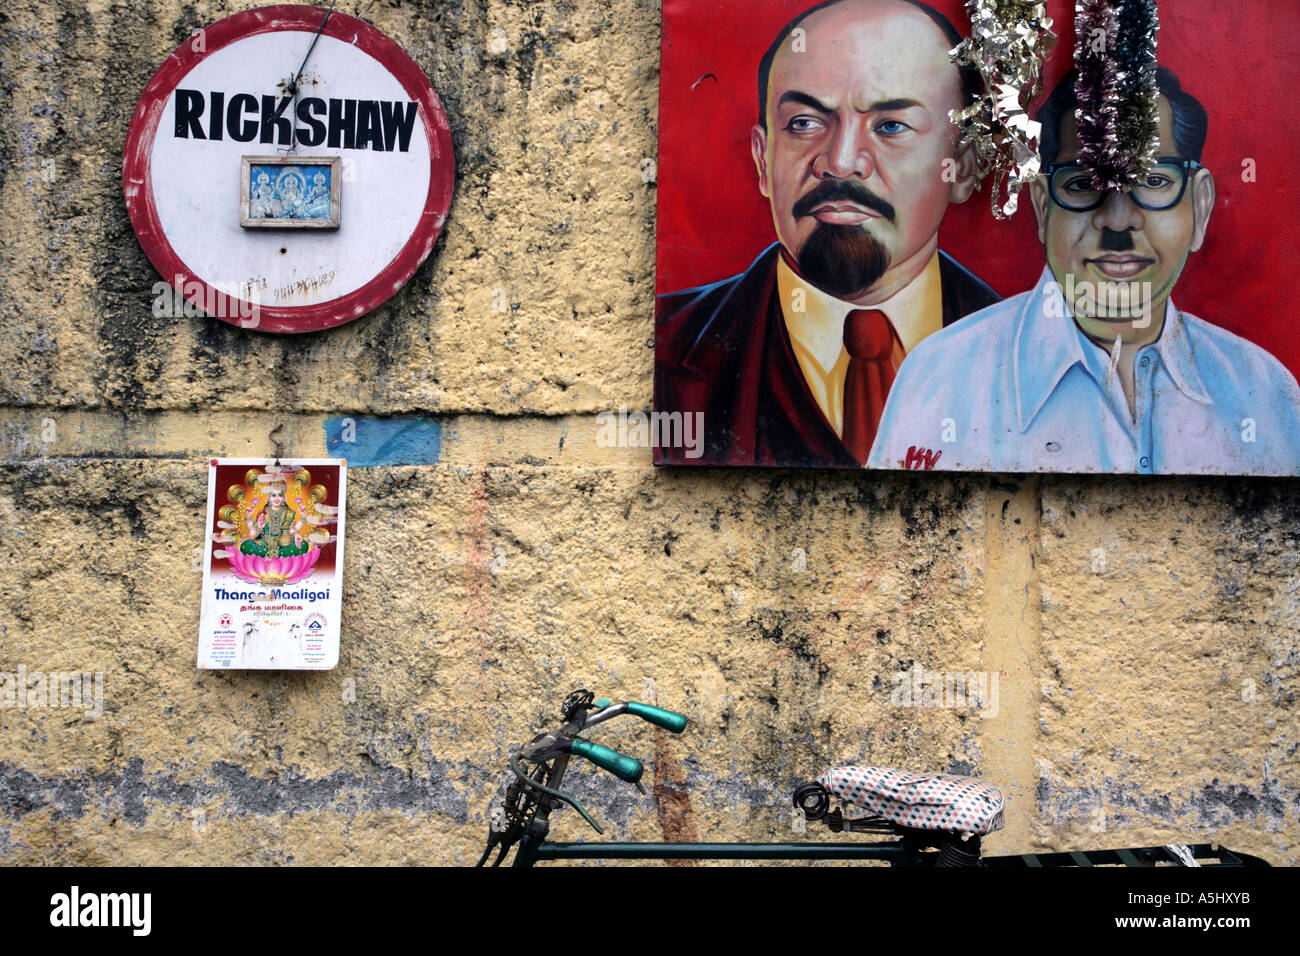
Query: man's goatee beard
[844, 261]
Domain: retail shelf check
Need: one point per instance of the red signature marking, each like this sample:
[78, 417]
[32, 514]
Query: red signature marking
[921, 459]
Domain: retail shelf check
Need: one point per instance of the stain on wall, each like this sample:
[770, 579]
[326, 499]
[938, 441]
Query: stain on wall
[1143, 633]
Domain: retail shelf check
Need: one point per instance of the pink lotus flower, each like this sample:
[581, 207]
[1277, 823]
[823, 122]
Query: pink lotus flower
[273, 572]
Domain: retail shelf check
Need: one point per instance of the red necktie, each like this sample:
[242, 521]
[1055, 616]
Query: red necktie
[874, 355]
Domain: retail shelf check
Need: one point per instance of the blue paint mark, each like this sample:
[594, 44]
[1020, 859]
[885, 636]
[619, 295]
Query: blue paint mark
[367, 442]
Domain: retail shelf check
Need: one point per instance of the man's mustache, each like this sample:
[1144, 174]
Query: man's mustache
[1113, 241]
[834, 190]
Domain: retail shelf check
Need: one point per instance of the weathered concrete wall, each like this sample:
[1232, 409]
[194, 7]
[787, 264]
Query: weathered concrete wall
[1144, 633]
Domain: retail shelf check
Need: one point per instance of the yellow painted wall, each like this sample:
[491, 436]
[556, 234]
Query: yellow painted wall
[1143, 631]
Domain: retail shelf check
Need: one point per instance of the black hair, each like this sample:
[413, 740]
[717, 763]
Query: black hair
[1191, 124]
[970, 78]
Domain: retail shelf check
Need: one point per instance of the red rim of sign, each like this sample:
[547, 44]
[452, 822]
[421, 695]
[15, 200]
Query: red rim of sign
[137, 182]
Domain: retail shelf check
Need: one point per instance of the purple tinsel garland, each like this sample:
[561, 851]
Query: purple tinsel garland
[1096, 29]
[1118, 100]
[1139, 96]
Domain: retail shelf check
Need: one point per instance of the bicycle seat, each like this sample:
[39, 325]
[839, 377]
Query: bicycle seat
[923, 801]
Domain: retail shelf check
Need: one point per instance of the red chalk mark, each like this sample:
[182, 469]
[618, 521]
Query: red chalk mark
[672, 798]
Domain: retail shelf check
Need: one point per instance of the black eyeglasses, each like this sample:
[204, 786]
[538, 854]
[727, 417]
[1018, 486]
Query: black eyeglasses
[1070, 185]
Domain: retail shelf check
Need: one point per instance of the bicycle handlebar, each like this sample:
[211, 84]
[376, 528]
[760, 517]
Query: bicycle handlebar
[534, 790]
[528, 801]
[620, 765]
[669, 720]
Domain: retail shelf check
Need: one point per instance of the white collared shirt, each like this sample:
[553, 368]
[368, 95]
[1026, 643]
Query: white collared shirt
[1018, 387]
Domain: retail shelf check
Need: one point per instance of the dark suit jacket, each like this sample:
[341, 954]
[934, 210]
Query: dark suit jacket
[723, 350]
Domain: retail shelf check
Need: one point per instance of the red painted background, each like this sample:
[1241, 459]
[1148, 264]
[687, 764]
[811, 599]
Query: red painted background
[1240, 58]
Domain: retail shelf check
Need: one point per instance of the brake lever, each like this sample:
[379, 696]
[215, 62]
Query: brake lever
[550, 792]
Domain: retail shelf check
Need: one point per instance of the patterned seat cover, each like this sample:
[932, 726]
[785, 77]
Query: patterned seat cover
[924, 801]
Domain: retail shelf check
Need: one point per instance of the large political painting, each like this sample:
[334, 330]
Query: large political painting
[834, 288]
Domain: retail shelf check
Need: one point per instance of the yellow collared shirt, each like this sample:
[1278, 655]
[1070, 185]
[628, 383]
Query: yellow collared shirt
[815, 321]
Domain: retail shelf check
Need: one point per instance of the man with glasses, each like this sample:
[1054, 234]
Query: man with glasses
[1096, 369]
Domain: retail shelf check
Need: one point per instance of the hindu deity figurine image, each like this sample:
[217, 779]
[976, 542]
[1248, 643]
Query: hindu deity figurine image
[263, 204]
[286, 194]
[316, 204]
[277, 530]
[275, 526]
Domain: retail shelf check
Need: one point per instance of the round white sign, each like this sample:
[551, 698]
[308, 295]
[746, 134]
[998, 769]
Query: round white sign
[288, 169]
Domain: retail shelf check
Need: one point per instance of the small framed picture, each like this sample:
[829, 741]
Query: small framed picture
[290, 192]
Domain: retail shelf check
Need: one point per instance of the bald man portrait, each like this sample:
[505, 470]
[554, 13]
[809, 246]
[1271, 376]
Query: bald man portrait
[790, 362]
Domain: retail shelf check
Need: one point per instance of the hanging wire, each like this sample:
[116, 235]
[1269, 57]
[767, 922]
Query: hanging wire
[293, 81]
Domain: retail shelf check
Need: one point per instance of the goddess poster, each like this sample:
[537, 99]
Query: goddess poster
[834, 289]
[273, 564]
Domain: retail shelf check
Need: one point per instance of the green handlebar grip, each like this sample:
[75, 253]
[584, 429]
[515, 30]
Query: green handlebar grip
[667, 719]
[625, 768]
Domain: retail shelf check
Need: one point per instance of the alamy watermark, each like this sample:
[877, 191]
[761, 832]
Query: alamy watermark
[181, 299]
[132, 911]
[1109, 299]
[624, 429]
[82, 690]
[920, 687]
